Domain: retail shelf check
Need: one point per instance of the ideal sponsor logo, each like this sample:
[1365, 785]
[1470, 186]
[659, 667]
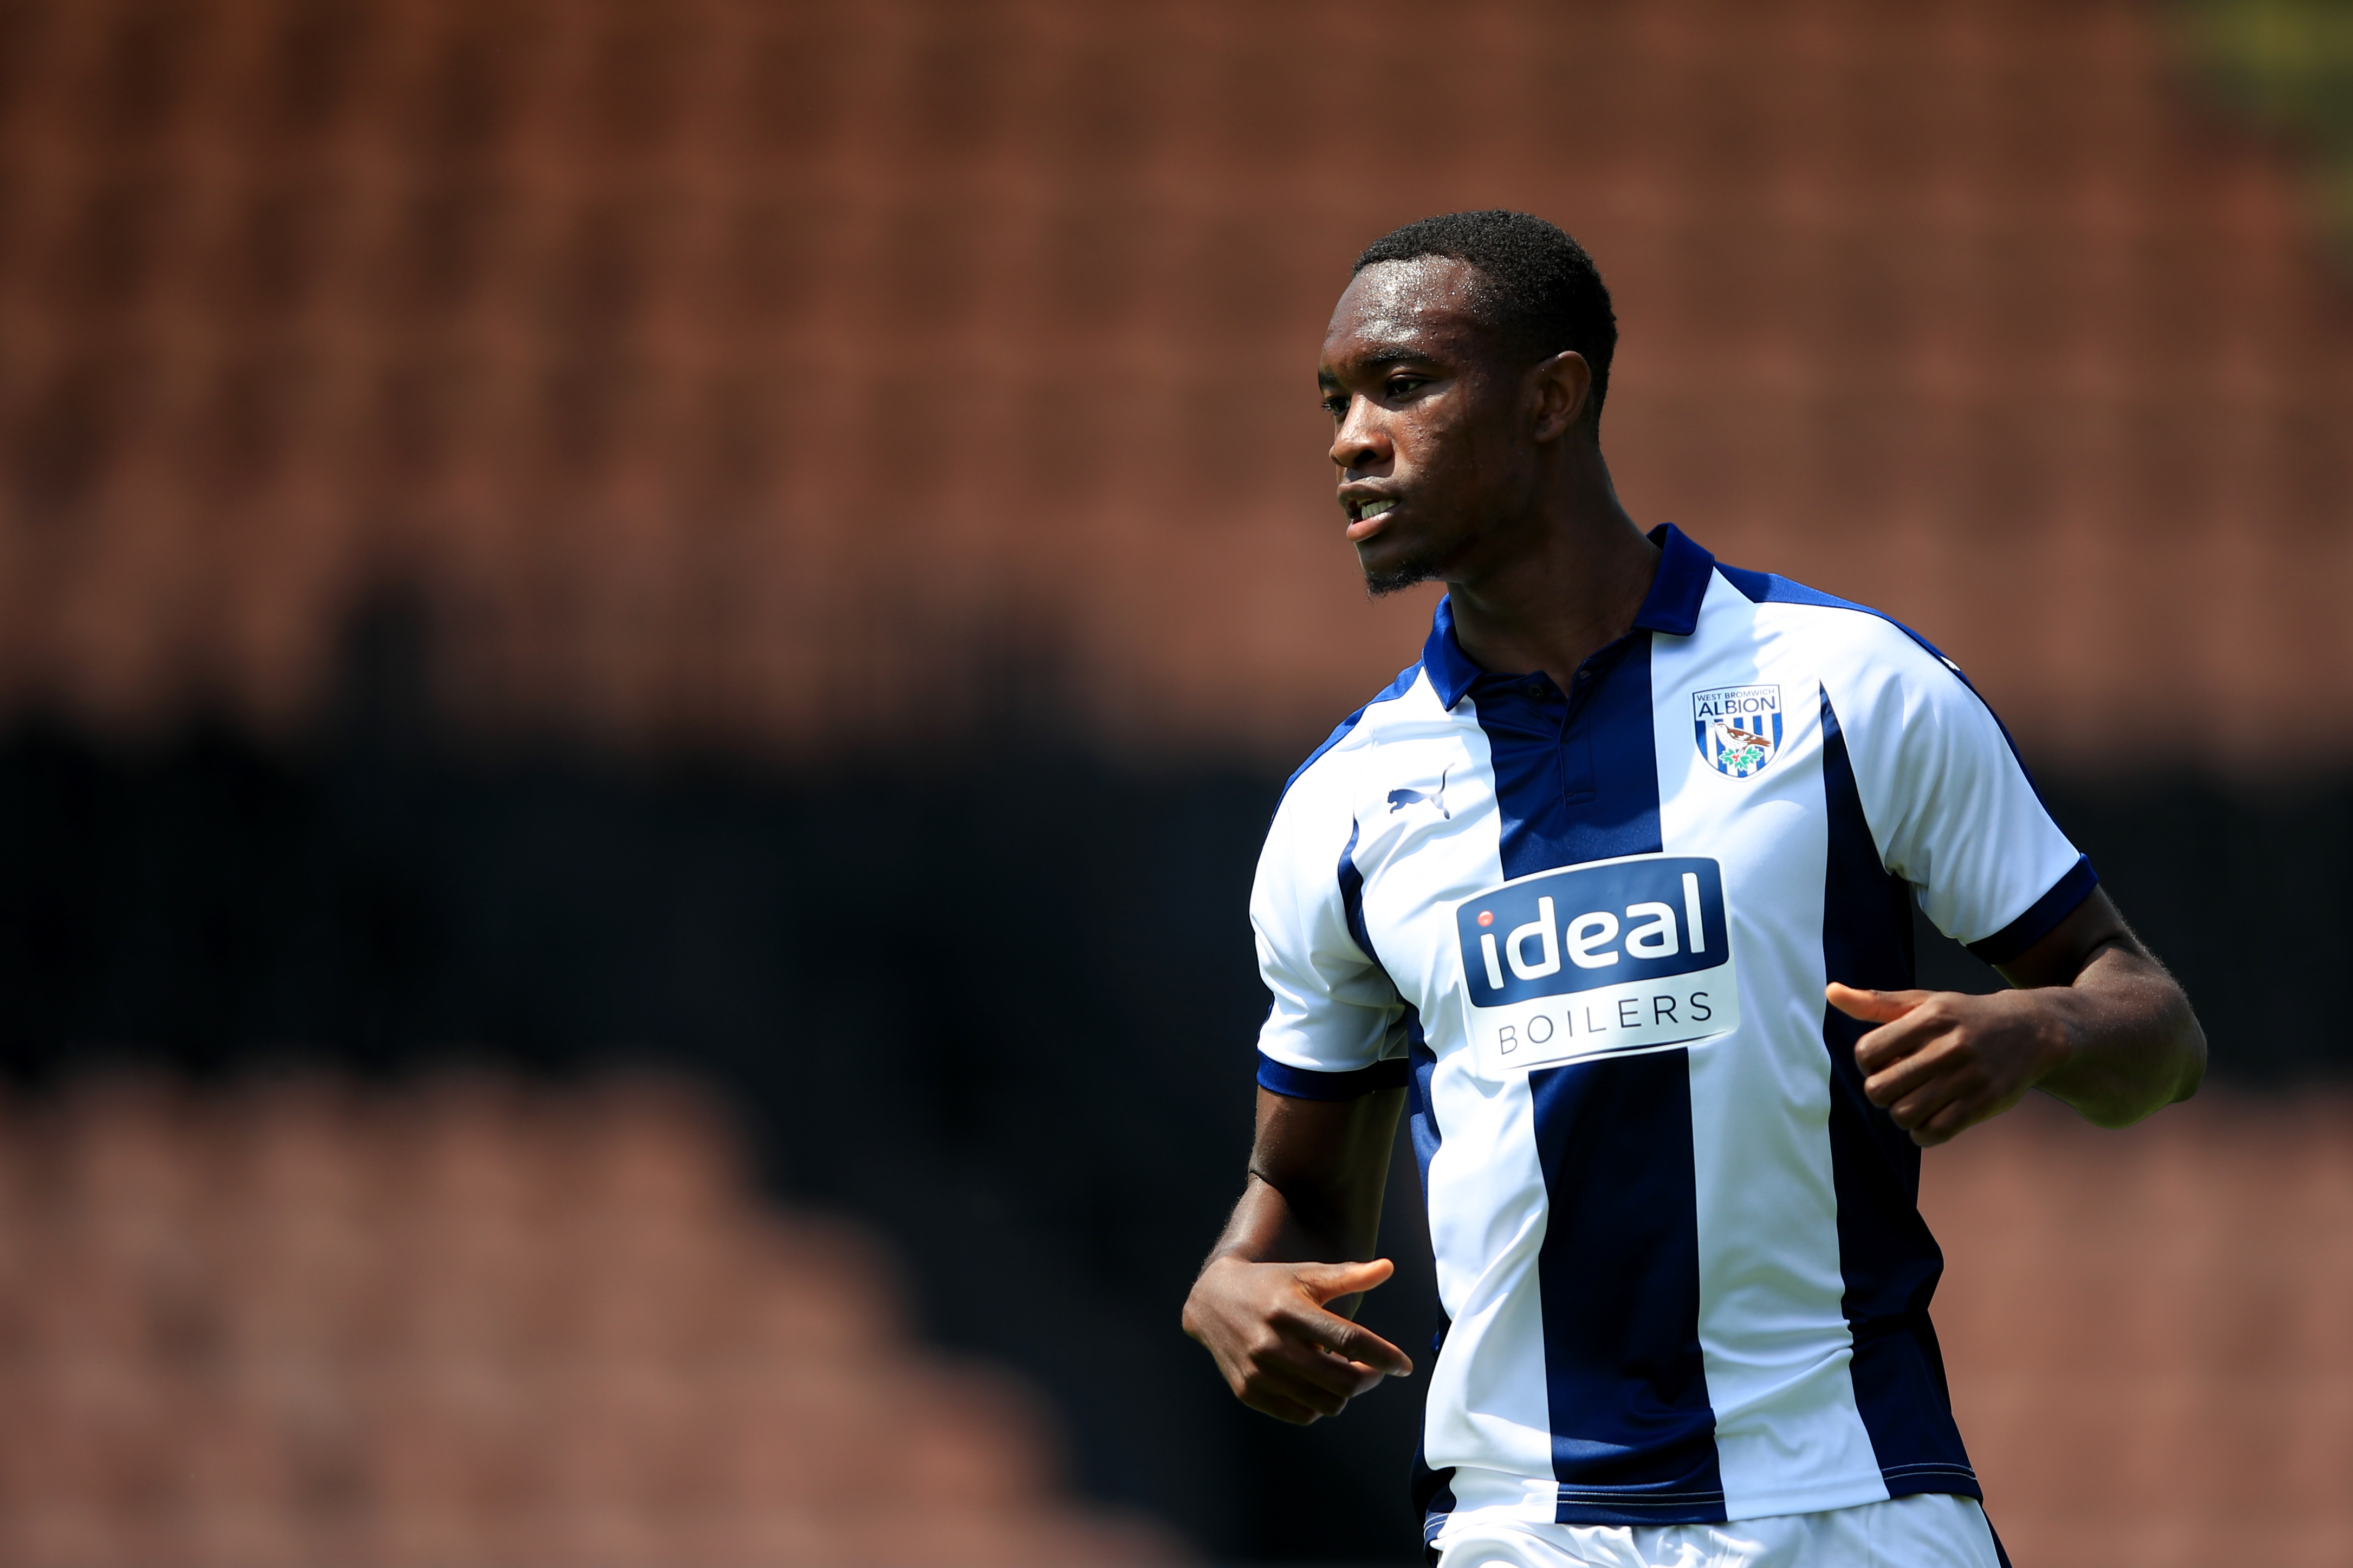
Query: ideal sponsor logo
[1739, 728]
[1603, 958]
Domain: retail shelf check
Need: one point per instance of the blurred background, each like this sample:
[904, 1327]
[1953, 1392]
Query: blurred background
[644, 645]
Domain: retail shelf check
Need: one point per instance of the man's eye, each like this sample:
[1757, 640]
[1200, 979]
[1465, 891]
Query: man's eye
[1335, 407]
[1406, 385]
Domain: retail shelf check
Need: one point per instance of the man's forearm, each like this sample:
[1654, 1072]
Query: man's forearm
[1275, 1299]
[1267, 1227]
[2129, 1043]
[1313, 1192]
[2094, 1020]
[1317, 1169]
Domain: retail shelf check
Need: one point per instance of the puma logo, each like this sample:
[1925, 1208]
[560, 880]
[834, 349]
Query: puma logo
[1401, 798]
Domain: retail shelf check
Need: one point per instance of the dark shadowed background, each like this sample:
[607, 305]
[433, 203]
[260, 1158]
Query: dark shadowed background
[786, 545]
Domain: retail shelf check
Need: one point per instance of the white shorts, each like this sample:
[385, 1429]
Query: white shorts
[1929, 1530]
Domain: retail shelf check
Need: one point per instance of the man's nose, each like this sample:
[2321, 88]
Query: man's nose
[1360, 443]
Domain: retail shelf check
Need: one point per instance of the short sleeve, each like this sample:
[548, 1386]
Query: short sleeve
[1337, 1026]
[1949, 804]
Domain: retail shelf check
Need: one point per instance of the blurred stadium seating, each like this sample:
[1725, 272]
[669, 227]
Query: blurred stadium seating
[473, 1322]
[477, 1322]
[2146, 1331]
[547, 523]
[749, 371]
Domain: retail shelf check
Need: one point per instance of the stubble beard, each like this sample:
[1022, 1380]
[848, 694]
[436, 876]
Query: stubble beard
[1397, 578]
[1425, 564]
[1426, 560]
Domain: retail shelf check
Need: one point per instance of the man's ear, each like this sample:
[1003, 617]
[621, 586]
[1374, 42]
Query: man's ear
[1561, 387]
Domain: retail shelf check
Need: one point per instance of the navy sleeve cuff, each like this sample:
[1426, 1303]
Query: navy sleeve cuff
[1299, 1083]
[2043, 917]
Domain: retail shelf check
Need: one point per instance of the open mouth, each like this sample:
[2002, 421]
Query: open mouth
[1365, 510]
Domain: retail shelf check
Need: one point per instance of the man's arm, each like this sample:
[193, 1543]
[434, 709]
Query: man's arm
[2094, 1020]
[1273, 1302]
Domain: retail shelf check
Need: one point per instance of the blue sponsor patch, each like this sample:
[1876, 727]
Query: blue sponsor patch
[1591, 926]
[1608, 959]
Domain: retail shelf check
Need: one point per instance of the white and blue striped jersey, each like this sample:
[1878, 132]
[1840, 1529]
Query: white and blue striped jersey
[1681, 1262]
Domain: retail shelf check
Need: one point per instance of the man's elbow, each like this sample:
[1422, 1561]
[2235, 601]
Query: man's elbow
[2193, 1056]
[2168, 1076]
[2185, 1040]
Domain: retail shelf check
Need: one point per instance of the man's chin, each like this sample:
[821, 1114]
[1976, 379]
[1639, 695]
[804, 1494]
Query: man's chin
[1382, 581]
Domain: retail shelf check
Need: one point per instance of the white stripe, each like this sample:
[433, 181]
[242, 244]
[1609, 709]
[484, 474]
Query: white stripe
[1488, 1404]
[1772, 1337]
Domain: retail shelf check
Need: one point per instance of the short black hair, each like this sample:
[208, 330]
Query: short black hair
[1537, 287]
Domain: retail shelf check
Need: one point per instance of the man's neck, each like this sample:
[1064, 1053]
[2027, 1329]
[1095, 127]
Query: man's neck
[1551, 607]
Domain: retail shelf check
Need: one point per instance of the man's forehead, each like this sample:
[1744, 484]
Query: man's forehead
[1394, 308]
[1425, 281]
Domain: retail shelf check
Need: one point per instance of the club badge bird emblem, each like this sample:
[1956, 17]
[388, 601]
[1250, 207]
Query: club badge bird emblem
[1739, 728]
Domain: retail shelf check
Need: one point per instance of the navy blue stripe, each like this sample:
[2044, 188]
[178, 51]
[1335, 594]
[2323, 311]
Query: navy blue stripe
[1301, 1083]
[1889, 1261]
[1585, 791]
[1432, 1490]
[1634, 1437]
[1351, 893]
[2042, 917]
[1677, 592]
[1421, 1114]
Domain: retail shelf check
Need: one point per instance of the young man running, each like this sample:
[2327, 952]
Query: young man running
[1613, 889]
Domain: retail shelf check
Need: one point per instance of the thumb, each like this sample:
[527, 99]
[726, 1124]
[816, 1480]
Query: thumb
[1322, 1281]
[1873, 1006]
[1340, 1337]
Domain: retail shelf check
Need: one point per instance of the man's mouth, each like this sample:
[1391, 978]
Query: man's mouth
[1365, 510]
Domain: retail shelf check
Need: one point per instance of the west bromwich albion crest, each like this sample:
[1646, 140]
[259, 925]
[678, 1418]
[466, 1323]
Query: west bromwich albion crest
[1739, 728]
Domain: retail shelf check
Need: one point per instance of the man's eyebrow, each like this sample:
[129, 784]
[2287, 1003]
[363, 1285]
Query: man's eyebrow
[1384, 360]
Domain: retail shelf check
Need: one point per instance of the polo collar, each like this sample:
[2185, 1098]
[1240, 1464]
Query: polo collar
[1443, 659]
[1685, 571]
[1670, 607]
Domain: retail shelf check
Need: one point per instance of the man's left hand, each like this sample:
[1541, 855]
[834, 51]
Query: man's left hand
[1942, 1061]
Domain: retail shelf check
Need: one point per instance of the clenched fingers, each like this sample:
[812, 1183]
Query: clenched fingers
[1903, 1058]
[1284, 1367]
[1945, 1102]
[1349, 1341]
[1906, 1020]
[1298, 1382]
[1281, 1350]
[1912, 1048]
[1941, 1062]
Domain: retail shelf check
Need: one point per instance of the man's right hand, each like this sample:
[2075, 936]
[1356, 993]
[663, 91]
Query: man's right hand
[1282, 1351]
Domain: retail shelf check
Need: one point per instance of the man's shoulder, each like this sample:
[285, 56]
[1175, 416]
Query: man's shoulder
[1840, 627]
[1366, 726]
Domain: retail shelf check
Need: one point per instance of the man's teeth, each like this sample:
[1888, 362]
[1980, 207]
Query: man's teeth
[1371, 510]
